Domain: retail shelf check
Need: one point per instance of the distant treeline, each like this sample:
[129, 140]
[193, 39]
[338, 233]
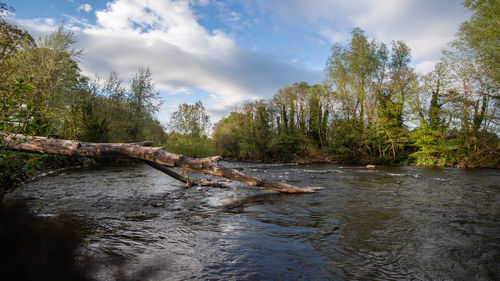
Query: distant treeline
[374, 108]
[43, 92]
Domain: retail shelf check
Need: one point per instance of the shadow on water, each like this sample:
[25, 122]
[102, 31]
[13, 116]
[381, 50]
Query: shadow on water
[40, 248]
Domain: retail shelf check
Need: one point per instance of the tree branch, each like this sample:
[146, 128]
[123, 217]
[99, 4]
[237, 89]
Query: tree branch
[150, 155]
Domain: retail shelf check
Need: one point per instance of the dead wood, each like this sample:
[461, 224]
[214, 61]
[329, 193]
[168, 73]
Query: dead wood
[156, 157]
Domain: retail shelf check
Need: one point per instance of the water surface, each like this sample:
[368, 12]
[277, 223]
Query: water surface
[387, 223]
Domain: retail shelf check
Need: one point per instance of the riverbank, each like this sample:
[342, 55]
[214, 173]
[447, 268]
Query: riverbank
[18, 168]
[322, 157]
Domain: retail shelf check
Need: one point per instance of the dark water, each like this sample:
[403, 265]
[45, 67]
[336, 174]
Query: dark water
[387, 223]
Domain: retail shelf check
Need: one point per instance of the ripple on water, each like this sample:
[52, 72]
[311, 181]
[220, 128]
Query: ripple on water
[387, 223]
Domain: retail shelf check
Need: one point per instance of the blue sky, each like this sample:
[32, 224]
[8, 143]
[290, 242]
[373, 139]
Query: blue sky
[226, 52]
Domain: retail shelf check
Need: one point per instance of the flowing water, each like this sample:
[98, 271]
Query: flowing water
[387, 223]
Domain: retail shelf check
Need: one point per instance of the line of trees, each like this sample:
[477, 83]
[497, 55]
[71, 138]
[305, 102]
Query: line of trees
[374, 108]
[43, 92]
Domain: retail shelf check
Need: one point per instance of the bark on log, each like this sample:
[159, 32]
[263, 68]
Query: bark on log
[164, 168]
[171, 173]
[213, 183]
[155, 155]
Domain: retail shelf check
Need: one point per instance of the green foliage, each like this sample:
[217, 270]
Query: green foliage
[433, 149]
[246, 134]
[11, 37]
[16, 109]
[190, 119]
[285, 145]
[371, 88]
[190, 124]
[57, 100]
[482, 34]
[227, 135]
[53, 98]
[190, 145]
[16, 117]
[16, 167]
[362, 112]
[143, 101]
[53, 68]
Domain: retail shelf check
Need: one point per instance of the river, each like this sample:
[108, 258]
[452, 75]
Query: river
[386, 223]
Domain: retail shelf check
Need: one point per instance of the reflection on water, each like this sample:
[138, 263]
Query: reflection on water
[388, 223]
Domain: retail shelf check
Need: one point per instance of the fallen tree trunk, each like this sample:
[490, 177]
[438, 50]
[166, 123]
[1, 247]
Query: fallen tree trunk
[156, 157]
[171, 173]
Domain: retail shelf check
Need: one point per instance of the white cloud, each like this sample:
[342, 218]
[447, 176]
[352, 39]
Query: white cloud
[184, 56]
[37, 27]
[187, 58]
[84, 7]
[334, 36]
[425, 25]
[425, 66]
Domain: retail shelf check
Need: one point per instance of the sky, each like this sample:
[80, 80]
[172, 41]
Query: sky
[225, 52]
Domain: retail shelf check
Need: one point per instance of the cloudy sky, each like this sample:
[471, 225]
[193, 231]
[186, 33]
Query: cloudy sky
[224, 52]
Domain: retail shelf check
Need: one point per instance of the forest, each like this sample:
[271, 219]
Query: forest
[372, 107]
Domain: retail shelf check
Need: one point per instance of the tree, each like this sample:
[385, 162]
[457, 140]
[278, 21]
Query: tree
[318, 115]
[357, 77]
[363, 65]
[144, 101]
[471, 93]
[118, 108]
[13, 90]
[284, 101]
[16, 116]
[54, 72]
[392, 96]
[190, 119]
[190, 124]
[90, 113]
[228, 133]
[256, 133]
[482, 34]
[12, 38]
[475, 61]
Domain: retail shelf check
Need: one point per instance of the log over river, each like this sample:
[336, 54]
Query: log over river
[386, 223]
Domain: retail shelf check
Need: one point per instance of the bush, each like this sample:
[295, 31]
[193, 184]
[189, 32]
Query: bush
[285, 145]
[190, 145]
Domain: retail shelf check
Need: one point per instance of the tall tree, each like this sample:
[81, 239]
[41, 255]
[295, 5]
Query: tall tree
[54, 71]
[144, 101]
[392, 95]
[190, 119]
[318, 115]
[362, 64]
[357, 76]
[119, 108]
[228, 135]
[190, 126]
[482, 34]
